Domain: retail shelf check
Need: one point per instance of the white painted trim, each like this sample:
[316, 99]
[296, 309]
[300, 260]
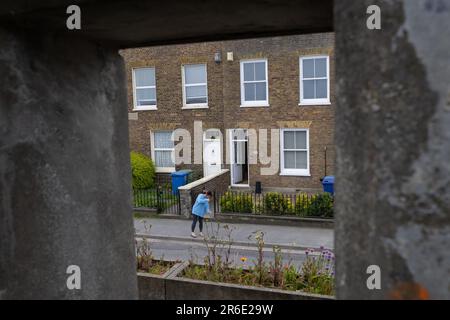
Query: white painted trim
[294, 172]
[257, 103]
[164, 170]
[184, 85]
[255, 106]
[219, 140]
[147, 107]
[318, 102]
[315, 104]
[152, 146]
[195, 106]
[232, 159]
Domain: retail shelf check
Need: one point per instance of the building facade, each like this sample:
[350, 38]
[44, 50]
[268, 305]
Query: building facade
[232, 96]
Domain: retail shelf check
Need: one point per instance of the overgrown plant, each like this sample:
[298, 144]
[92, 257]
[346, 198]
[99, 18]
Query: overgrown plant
[144, 255]
[260, 266]
[145, 261]
[276, 267]
[218, 241]
[315, 275]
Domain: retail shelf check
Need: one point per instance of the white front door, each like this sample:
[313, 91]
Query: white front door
[211, 156]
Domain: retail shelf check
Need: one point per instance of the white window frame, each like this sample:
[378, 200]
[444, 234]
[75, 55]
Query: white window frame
[161, 169]
[232, 155]
[184, 85]
[257, 103]
[135, 106]
[322, 101]
[294, 172]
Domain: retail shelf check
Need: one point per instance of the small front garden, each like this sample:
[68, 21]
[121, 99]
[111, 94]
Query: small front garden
[146, 262]
[146, 194]
[159, 199]
[277, 203]
[315, 275]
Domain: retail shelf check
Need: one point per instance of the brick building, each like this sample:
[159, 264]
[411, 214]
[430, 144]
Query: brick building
[284, 85]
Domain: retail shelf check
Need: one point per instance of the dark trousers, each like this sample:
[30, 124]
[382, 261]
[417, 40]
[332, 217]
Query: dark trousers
[194, 222]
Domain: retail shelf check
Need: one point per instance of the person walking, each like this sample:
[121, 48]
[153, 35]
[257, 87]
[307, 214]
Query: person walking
[199, 209]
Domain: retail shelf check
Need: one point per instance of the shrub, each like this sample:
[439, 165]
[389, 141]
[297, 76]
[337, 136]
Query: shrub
[321, 206]
[236, 202]
[302, 204]
[142, 171]
[276, 203]
[317, 273]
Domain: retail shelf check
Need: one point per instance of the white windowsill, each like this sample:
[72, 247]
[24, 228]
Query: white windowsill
[165, 170]
[195, 106]
[295, 174]
[262, 105]
[149, 108]
[314, 103]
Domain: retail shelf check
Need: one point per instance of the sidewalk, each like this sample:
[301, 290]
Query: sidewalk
[283, 236]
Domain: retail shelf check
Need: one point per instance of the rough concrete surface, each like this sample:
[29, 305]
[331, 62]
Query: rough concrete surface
[64, 170]
[64, 180]
[134, 23]
[393, 147]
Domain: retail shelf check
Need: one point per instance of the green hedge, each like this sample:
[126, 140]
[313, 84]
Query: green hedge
[319, 205]
[142, 171]
[276, 203]
[237, 203]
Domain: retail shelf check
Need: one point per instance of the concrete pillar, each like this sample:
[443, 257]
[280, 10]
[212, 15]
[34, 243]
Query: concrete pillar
[393, 149]
[64, 169]
[185, 202]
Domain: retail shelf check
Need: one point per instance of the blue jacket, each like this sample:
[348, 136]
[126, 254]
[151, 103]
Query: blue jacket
[201, 205]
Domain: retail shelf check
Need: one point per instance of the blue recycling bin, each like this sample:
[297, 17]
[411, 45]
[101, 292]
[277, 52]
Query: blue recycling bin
[328, 184]
[179, 178]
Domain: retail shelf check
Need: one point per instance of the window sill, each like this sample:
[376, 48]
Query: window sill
[255, 106]
[197, 106]
[145, 108]
[314, 103]
[165, 170]
[295, 174]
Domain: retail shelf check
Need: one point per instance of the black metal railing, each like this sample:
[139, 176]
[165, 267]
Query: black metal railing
[275, 203]
[161, 198]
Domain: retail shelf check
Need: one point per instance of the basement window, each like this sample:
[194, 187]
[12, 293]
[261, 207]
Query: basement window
[314, 80]
[294, 152]
[254, 86]
[195, 88]
[144, 89]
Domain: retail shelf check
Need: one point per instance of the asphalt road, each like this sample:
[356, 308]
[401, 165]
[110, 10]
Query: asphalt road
[188, 250]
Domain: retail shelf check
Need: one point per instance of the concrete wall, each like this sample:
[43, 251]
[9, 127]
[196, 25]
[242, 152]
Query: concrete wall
[153, 287]
[64, 169]
[217, 183]
[393, 149]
